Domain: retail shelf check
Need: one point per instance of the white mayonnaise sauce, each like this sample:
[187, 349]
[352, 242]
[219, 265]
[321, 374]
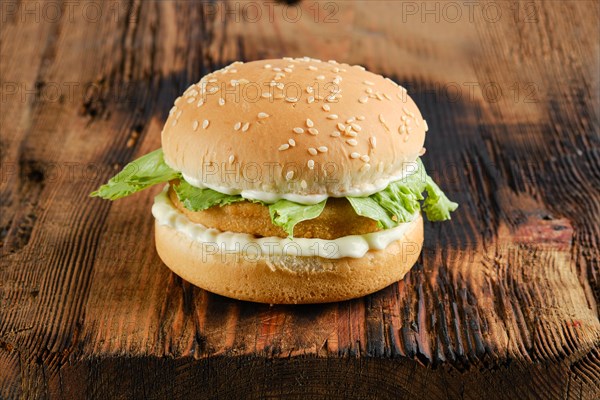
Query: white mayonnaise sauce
[354, 246]
[364, 190]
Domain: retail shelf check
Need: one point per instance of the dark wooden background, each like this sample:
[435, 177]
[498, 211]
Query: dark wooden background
[502, 304]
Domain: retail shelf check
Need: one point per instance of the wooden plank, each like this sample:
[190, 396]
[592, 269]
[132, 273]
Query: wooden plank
[504, 300]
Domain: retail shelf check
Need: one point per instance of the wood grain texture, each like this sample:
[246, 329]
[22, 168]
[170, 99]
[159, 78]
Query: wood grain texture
[503, 303]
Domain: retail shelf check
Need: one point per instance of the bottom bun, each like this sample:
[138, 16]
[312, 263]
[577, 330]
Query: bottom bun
[288, 279]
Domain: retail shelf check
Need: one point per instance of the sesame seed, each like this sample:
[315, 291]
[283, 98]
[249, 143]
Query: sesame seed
[368, 90]
[335, 70]
[212, 80]
[193, 93]
[402, 129]
[172, 110]
[354, 155]
[205, 124]
[200, 103]
[341, 127]
[195, 125]
[352, 142]
[266, 95]
[277, 69]
[365, 168]
[268, 66]
[289, 70]
[311, 164]
[351, 119]
[237, 126]
[323, 149]
[280, 85]
[351, 133]
[289, 176]
[291, 99]
[326, 107]
[284, 146]
[313, 131]
[361, 118]
[213, 90]
[191, 100]
[292, 142]
[425, 125]
[263, 115]
[312, 151]
[309, 89]
[309, 123]
[330, 99]
[363, 100]
[233, 71]
[387, 96]
[336, 134]
[368, 83]
[373, 141]
[422, 151]
[303, 184]
[312, 68]
[332, 116]
[221, 101]
[381, 119]
[321, 77]
[356, 127]
[406, 138]
[246, 126]
[174, 122]
[178, 114]
[365, 158]
[360, 67]
[231, 159]
[298, 130]
[311, 99]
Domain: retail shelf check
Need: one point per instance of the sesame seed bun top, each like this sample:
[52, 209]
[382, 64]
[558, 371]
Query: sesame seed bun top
[293, 126]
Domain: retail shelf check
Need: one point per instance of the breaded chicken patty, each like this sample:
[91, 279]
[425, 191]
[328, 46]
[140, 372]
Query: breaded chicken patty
[338, 219]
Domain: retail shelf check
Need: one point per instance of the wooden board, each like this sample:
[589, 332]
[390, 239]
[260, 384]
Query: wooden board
[502, 304]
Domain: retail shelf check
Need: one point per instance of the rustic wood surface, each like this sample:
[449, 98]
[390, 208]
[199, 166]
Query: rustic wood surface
[502, 304]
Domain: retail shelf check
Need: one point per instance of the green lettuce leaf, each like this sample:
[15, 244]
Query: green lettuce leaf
[367, 207]
[287, 214]
[140, 174]
[400, 201]
[196, 199]
[437, 206]
[397, 203]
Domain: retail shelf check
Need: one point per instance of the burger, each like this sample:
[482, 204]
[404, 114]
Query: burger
[290, 180]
